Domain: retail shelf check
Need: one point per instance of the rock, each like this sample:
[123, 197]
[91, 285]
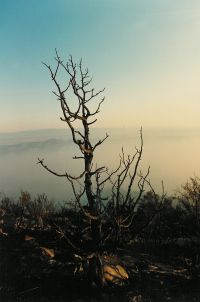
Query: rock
[47, 252]
[115, 274]
[28, 238]
[105, 270]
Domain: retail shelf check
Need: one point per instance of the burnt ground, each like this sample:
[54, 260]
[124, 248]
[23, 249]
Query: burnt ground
[34, 266]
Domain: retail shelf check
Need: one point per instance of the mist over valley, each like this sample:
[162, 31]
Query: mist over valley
[172, 154]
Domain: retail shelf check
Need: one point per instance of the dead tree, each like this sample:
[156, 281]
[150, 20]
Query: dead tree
[79, 81]
[92, 180]
[128, 186]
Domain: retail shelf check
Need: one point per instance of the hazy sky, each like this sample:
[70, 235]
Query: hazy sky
[145, 52]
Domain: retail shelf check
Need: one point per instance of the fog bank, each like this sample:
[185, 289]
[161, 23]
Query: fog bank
[172, 154]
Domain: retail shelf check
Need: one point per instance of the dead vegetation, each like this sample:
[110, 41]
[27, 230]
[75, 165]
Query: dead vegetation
[39, 260]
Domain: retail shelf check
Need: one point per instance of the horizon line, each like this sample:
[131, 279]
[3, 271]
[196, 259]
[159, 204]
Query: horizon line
[113, 128]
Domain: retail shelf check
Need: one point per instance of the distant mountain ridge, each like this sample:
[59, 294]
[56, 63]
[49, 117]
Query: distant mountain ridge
[12, 138]
[50, 144]
[49, 137]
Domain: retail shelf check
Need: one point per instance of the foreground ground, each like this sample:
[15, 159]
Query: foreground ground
[36, 267]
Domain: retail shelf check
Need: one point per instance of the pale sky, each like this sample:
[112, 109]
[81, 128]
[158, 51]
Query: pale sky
[146, 53]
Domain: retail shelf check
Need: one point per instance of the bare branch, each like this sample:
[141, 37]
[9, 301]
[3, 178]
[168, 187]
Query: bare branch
[136, 167]
[92, 122]
[63, 235]
[41, 162]
[100, 142]
[78, 157]
[110, 175]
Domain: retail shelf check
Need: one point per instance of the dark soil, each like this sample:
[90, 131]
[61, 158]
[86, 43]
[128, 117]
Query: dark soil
[36, 266]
